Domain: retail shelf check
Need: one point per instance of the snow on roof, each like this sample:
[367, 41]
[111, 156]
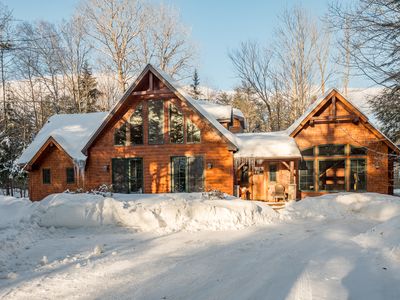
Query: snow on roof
[71, 131]
[220, 111]
[180, 89]
[267, 145]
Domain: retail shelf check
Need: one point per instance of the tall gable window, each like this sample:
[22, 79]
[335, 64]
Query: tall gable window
[120, 135]
[192, 132]
[175, 125]
[156, 122]
[136, 126]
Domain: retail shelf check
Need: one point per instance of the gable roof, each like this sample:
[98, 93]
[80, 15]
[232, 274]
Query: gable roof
[70, 131]
[179, 91]
[318, 104]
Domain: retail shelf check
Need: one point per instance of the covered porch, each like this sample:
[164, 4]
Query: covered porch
[266, 179]
[266, 167]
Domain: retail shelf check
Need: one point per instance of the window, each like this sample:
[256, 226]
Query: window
[331, 150]
[136, 124]
[272, 172]
[193, 134]
[187, 174]
[175, 125]
[358, 150]
[306, 175]
[358, 175]
[244, 175]
[332, 175]
[196, 174]
[179, 174]
[156, 122]
[308, 152]
[70, 172]
[127, 175]
[120, 136]
[46, 174]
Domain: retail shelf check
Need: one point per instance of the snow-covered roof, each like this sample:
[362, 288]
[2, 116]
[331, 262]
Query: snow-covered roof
[267, 145]
[220, 111]
[70, 131]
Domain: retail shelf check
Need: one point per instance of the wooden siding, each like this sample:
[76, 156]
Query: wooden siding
[156, 158]
[353, 133]
[57, 161]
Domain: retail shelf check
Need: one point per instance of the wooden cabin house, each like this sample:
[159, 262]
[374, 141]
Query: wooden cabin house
[157, 139]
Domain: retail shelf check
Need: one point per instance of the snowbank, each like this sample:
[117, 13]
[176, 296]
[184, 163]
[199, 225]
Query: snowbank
[377, 207]
[384, 237]
[14, 210]
[162, 212]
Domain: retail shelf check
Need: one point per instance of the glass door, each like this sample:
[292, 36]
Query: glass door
[127, 175]
[187, 174]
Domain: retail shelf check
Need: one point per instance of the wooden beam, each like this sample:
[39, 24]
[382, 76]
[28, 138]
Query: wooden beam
[291, 177]
[334, 107]
[329, 119]
[154, 93]
[286, 165]
[151, 82]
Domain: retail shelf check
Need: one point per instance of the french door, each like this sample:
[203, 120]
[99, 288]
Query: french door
[187, 174]
[127, 175]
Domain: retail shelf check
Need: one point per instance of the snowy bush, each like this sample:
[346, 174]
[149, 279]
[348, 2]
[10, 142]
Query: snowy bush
[213, 195]
[103, 190]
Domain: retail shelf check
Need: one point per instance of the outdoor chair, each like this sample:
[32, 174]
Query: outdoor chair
[279, 192]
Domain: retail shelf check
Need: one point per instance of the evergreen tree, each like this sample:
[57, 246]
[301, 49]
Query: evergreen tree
[386, 107]
[88, 91]
[12, 142]
[195, 86]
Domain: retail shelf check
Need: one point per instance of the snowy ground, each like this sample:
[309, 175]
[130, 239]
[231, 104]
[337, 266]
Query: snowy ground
[343, 246]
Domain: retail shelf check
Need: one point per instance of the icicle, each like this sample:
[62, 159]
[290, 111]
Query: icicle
[79, 166]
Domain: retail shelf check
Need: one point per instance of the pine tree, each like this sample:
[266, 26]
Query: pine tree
[386, 108]
[195, 86]
[88, 90]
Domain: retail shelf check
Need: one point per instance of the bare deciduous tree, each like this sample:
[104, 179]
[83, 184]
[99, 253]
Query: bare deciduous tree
[114, 26]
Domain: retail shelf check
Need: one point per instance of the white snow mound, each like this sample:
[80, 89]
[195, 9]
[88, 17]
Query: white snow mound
[14, 210]
[384, 237]
[377, 207]
[159, 212]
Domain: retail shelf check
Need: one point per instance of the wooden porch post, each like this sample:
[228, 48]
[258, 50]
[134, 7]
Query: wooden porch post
[292, 185]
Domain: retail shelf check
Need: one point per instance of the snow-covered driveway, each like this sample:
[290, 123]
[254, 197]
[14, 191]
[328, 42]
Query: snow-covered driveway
[294, 257]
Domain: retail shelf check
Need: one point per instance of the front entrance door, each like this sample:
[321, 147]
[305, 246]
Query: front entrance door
[187, 174]
[127, 175]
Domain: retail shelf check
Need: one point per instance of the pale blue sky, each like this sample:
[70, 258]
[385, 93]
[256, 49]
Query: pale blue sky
[217, 26]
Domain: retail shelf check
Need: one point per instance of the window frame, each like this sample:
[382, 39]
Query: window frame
[69, 169]
[44, 176]
[365, 174]
[117, 130]
[170, 114]
[275, 172]
[331, 158]
[188, 123]
[162, 122]
[126, 184]
[312, 175]
[344, 153]
[141, 106]
[188, 175]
